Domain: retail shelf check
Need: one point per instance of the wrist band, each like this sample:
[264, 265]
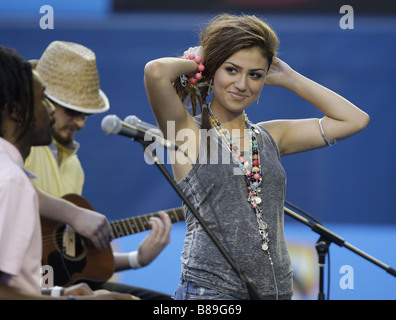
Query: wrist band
[133, 261]
[56, 291]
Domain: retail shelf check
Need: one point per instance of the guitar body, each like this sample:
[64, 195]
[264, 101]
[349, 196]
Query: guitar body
[74, 259]
[86, 264]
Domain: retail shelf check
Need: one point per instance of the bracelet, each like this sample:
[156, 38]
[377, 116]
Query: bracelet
[133, 261]
[198, 75]
[323, 134]
[56, 291]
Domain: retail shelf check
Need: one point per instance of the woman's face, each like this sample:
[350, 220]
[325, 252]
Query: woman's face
[239, 80]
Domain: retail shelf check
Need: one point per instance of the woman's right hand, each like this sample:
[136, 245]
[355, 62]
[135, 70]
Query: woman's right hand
[197, 51]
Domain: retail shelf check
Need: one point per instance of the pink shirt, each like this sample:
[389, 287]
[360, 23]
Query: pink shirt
[20, 229]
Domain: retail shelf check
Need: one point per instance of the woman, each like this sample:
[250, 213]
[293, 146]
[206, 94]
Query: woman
[240, 200]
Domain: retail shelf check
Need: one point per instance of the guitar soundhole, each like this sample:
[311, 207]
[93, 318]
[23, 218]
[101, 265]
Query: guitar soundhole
[77, 244]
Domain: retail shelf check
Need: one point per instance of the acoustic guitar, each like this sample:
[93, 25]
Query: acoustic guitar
[74, 259]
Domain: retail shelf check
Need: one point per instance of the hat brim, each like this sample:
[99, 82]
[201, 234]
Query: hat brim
[81, 109]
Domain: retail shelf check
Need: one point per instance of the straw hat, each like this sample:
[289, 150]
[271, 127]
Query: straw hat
[71, 77]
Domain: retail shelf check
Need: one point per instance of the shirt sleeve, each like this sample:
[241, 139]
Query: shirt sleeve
[17, 221]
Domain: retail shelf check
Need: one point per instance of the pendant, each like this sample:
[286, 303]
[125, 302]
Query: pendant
[264, 246]
[257, 199]
[263, 225]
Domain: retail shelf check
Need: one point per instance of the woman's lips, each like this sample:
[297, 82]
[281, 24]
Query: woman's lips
[237, 96]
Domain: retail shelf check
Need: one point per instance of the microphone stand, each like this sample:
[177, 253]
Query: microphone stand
[322, 246]
[249, 285]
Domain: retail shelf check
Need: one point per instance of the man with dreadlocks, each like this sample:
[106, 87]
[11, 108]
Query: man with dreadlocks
[26, 119]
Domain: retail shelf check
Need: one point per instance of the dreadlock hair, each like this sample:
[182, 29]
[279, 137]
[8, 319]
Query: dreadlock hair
[16, 87]
[225, 35]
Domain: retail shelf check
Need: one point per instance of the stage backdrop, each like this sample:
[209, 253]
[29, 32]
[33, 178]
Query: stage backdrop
[348, 186]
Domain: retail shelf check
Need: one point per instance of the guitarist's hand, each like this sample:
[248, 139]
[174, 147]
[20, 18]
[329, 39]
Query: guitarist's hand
[156, 241]
[93, 226]
[81, 289]
[83, 292]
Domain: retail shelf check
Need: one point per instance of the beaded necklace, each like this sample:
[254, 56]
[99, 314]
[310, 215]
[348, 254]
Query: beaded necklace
[251, 169]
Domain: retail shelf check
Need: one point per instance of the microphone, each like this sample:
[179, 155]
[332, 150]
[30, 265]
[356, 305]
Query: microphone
[111, 124]
[141, 125]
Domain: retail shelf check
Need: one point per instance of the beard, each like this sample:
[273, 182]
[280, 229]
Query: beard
[65, 135]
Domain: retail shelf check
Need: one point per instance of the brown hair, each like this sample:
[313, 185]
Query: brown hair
[225, 35]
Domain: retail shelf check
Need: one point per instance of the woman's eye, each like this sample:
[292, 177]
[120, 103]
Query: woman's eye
[231, 70]
[256, 75]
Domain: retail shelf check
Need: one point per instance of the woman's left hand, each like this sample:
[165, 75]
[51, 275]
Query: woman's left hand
[279, 73]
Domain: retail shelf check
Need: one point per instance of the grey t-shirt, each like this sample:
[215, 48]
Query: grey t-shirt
[220, 196]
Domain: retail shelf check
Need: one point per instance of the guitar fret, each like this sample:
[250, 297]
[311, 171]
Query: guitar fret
[133, 225]
[129, 226]
[146, 220]
[121, 229]
[173, 216]
[140, 223]
[125, 229]
[117, 229]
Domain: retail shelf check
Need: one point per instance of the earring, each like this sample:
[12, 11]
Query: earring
[258, 100]
[183, 80]
[210, 87]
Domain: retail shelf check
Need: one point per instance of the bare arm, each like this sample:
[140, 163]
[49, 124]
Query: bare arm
[89, 224]
[159, 76]
[342, 118]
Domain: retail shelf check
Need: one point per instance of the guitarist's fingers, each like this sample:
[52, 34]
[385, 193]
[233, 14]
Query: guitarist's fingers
[104, 236]
[93, 226]
[165, 219]
[80, 289]
[156, 241]
[161, 227]
[101, 238]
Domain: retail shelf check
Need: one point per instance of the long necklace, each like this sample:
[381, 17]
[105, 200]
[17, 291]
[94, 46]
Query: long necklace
[251, 169]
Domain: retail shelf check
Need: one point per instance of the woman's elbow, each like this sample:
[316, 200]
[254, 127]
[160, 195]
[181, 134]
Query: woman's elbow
[364, 120]
[152, 70]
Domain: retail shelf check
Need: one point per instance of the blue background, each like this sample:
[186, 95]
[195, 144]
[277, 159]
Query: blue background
[348, 187]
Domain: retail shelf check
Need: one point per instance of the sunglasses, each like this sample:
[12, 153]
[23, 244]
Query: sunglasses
[70, 112]
[74, 113]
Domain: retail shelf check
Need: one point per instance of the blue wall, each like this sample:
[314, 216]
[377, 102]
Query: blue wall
[351, 183]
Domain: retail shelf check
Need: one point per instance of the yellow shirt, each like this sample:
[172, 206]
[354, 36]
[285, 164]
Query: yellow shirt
[54, 179]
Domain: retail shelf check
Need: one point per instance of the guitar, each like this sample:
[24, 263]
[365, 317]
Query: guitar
[78, 260]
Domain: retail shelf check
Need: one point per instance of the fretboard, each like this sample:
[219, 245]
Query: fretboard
[128, 226]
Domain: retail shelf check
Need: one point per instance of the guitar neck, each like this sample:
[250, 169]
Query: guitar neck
[128, 226]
